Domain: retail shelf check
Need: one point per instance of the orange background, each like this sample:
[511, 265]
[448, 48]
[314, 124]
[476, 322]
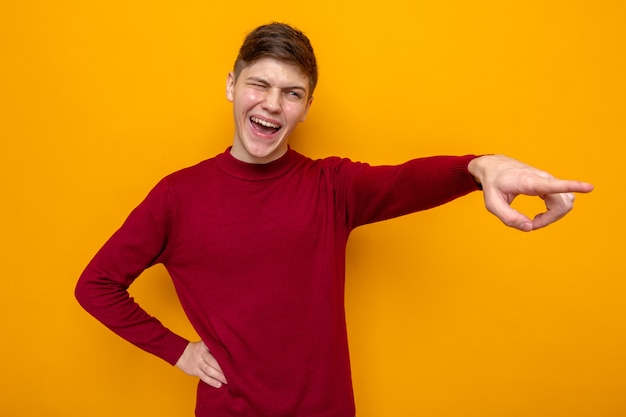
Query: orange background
[450, 313]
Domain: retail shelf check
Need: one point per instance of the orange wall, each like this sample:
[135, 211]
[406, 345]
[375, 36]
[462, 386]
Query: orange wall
[451, 314]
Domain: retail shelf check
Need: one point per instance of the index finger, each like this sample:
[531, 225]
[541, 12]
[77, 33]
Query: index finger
[557, 186]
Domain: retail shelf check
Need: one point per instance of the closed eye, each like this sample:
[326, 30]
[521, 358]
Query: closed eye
[257, 85]
[257, 82]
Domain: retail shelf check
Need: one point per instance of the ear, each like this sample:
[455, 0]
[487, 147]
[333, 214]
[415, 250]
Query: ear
[230, 87]
[306, 111]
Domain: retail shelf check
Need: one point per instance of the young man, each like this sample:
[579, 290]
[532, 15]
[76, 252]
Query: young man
[254, 240]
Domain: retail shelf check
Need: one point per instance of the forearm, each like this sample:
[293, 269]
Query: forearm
[382, 192]
[110, 303]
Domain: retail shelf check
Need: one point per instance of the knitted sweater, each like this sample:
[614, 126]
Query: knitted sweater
[257, 257]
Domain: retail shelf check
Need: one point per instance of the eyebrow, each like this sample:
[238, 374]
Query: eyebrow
[265, 82]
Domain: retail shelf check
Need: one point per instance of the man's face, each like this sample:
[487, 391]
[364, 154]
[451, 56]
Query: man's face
[270, 98]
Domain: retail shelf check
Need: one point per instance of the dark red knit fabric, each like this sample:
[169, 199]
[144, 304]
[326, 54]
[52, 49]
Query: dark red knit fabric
[257, 256]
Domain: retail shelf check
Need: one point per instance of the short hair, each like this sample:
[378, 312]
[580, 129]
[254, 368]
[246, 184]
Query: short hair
[282, 42]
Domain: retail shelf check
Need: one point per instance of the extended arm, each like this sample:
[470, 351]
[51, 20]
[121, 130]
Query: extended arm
[503, 178]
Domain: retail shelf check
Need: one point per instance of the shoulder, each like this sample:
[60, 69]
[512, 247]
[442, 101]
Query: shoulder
[191, 175]
[331, 164]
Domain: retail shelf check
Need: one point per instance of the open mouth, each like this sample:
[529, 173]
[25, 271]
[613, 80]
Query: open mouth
[264, 127]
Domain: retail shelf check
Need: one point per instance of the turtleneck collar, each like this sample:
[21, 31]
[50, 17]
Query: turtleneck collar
[257, 172]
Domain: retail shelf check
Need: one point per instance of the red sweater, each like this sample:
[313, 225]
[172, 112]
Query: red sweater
[257, 257]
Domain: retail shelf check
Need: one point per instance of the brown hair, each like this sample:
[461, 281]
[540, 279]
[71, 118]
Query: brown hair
[282, 42]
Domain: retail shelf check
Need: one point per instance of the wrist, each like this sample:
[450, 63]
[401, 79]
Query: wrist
[476, 169]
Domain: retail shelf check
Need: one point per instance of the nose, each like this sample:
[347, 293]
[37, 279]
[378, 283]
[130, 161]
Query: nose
[271, 103]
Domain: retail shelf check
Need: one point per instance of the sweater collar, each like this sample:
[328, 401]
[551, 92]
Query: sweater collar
[257, 172]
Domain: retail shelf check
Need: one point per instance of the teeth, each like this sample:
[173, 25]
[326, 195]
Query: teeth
[264, 123]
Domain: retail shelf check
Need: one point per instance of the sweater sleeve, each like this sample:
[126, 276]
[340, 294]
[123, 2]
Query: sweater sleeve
[102, 289]
[369, 194]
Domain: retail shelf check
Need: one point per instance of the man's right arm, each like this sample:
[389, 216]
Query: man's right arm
[102, 289]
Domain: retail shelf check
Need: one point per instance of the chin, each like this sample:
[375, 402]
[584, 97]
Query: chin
[269, 151]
